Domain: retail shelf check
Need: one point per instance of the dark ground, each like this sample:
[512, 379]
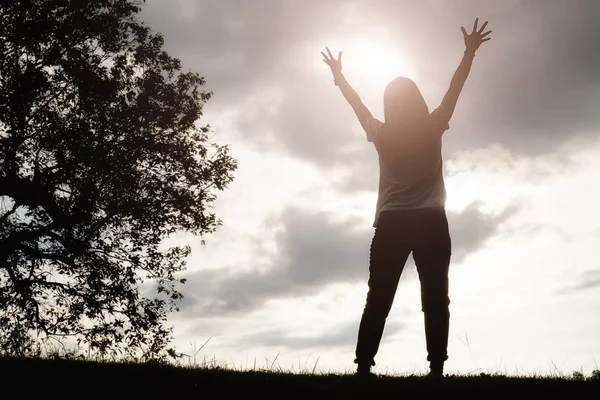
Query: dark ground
[85, 379]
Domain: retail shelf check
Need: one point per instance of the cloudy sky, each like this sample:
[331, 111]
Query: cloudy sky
[283, 281]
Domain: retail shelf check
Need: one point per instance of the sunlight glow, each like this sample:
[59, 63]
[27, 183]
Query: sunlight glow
[376, 62]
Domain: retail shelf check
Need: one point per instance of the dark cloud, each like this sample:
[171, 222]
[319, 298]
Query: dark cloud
[314, 252]
[236, 43]
[539, 85]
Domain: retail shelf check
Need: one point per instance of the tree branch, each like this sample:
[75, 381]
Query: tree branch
[45, 256]
[43, 106]
[31, 194]
[7, 214]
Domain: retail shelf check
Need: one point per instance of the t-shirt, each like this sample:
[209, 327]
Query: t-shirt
[416, 180]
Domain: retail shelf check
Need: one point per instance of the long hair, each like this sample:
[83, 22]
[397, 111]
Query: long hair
[405, 144]
[403, 104]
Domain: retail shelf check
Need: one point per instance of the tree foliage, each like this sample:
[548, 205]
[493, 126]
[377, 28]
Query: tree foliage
[101, 159]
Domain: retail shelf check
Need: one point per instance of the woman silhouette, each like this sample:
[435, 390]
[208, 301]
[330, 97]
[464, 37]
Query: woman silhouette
[410, 214]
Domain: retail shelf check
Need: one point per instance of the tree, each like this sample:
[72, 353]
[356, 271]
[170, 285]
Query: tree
[101, 159]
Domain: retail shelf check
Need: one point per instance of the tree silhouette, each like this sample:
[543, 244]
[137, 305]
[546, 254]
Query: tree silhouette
[101, 159]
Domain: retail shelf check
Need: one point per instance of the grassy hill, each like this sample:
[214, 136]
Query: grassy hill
[73, 378]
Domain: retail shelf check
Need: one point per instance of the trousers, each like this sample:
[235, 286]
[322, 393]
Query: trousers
[425, 233]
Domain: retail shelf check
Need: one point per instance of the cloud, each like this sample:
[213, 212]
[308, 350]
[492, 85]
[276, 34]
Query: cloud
[330, 337]
[470, 229]
[237, 43]
[532, 87]
[314, 251]
[589, 280]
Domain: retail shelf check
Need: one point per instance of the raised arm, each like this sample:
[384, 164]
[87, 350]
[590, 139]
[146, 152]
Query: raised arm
[472, 43]
[361, 111]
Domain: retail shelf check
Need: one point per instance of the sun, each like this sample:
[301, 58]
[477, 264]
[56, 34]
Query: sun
[376, 63]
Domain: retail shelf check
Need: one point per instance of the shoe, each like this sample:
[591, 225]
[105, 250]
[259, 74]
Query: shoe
[364, 369]
[436, 370]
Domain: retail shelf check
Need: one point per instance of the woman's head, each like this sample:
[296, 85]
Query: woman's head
[403, 104]
[404, 144]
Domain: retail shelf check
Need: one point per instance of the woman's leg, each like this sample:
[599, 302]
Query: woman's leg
[432, 257]
[389, 252]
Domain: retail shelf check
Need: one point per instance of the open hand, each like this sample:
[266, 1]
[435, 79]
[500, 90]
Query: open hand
[476, 37]
[335, 65]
